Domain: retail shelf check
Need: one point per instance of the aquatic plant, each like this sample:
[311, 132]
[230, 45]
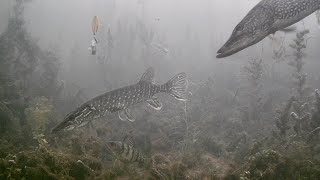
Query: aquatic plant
[17, 62]
[282, 118]
[22, 64]
[38, 114]
[301, 108]
[254, 72]
[284, 152]
[9, 122]
[212, 146]
[47, 163]
[297, 63]
[315, 118]
[293, 162]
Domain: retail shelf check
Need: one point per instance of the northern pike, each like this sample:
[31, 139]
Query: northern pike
[267, 17]
[120, 100]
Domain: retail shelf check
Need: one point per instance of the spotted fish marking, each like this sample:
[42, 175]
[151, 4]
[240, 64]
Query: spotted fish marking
[121, 99]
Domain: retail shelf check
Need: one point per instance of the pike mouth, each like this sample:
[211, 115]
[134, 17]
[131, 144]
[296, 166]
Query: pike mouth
[55, 129]
[236, 44]
[58, 128]
[227, 51]
[231, 47]
[64, 125]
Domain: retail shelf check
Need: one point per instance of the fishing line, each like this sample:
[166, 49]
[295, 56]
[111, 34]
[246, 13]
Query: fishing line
[185, 115]
[262, 51]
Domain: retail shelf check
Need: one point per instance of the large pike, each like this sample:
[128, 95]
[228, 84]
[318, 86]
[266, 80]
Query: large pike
[121, 99]
[267, 17]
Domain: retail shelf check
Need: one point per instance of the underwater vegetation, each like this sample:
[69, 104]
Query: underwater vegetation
[38, 114]
[289, 152]
[255, 125]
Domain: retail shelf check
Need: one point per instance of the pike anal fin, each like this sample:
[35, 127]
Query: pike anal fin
[126, 115]
[154, 103]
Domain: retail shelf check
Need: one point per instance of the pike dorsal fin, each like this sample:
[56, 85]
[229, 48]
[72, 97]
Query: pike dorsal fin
[128, 140]
[148, 76]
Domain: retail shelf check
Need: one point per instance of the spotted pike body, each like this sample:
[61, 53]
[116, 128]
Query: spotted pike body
[121, 99]
[267, 17]
[125, 152]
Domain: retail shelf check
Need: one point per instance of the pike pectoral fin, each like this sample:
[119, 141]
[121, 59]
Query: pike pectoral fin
[121, 115]
[126, 115]
[129, 115]
[154, 103]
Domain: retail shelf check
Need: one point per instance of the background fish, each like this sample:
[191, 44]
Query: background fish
[266, 18]
[120, 99]
[125, 152]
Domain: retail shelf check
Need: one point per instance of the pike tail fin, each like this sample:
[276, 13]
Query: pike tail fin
[177, 86]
